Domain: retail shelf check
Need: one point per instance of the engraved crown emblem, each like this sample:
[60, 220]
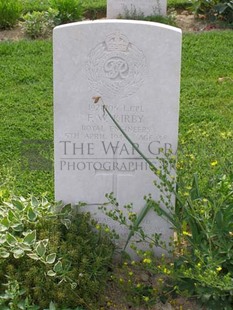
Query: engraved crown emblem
[117, 41]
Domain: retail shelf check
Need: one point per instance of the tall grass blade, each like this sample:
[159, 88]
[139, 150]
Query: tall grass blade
[138, 221]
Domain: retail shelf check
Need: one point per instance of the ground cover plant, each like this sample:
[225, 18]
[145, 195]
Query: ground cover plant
[50, 253]
[40, 24]
[205, 146]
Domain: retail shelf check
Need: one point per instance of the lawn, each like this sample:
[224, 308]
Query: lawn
[206, 105]
[27, 110]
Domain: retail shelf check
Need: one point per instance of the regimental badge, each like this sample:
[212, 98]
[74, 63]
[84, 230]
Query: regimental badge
[115, 67]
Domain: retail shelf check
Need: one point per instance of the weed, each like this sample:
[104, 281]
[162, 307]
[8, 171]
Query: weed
[202, 264]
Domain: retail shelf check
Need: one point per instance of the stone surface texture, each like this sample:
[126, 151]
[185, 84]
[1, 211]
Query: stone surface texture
[138, 7]
[134, 67]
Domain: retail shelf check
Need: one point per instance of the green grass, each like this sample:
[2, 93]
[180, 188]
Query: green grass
[206, 108]
[26, 107]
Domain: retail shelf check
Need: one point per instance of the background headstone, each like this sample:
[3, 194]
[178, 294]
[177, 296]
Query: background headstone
[138, 7]
[135, 67]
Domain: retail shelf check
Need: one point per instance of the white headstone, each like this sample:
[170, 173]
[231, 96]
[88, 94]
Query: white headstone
[136, 7]
[134, 67]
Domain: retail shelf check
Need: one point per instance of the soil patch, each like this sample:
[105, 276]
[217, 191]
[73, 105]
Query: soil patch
[189, 23]
[14, 34]
[117, 297]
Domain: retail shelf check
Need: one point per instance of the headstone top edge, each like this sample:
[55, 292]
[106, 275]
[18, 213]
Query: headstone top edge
[117, 22]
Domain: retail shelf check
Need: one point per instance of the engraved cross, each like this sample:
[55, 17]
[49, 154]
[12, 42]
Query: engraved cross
[115, 174]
